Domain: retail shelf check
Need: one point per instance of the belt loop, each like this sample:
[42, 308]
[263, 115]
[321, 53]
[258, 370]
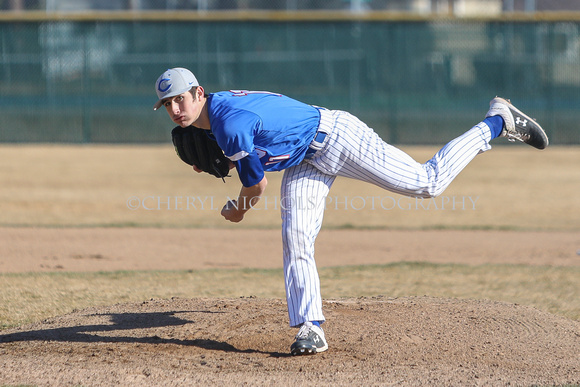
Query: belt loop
[317, 141]
[320, 135]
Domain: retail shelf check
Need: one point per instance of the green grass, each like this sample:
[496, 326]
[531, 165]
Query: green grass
[31, 297]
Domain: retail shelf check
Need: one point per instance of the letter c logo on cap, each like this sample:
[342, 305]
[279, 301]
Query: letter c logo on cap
[160, 86]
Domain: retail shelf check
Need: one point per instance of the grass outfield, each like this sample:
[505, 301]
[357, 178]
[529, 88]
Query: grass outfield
[509, 187]
[31, 297]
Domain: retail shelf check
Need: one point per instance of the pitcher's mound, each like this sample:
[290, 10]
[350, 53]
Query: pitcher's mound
[246, 341]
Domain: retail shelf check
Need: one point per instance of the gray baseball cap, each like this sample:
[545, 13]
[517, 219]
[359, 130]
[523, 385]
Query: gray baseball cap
[173, 82]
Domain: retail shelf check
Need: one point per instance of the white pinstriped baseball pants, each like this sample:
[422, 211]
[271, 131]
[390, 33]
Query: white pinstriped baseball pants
[352, 149]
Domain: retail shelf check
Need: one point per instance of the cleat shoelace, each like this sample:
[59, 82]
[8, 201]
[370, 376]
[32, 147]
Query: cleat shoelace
[517, 136]
[303, 332]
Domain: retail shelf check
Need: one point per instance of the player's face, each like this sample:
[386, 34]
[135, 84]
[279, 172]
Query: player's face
[185, 109]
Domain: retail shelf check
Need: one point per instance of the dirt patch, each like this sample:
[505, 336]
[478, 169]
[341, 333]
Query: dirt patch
[98, 249]
[408, 341]
[183, 342]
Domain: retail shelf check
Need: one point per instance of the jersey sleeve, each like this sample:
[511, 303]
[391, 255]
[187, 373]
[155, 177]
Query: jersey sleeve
[250, 169]
[235, 132]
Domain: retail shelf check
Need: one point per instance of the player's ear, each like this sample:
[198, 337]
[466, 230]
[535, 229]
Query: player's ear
[199, 92]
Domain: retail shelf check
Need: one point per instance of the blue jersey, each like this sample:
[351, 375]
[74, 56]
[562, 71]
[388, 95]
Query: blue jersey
[261, 131]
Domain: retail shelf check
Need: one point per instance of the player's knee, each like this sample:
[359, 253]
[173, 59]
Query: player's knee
[428, 193]
[296, 243]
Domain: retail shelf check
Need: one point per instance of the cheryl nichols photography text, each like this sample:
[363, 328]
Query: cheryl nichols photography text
[337, 203]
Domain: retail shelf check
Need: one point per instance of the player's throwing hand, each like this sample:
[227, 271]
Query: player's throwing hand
[231, 212]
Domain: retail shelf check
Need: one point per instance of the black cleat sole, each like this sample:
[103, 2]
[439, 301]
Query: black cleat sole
[303, 351]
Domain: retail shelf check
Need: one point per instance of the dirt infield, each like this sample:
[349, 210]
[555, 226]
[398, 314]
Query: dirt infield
[406, 342]
[106, 249]
[245, 341]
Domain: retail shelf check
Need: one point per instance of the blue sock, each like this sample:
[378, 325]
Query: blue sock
[317, 323]
[495, 123]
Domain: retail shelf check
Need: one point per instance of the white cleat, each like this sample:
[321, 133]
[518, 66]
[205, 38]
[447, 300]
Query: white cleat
[517, 125]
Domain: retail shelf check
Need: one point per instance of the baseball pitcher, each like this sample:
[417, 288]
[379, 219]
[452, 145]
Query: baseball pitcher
[258, 131]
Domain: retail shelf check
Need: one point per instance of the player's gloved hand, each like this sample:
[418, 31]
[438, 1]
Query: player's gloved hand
[195, 147]
[198, 170]
[232, 213]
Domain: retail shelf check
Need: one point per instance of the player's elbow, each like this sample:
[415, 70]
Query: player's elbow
[256, 189]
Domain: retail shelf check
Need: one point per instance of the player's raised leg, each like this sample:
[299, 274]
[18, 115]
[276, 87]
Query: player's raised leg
[390, 168]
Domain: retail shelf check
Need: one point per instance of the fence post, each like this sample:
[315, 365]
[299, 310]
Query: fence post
[86, 92]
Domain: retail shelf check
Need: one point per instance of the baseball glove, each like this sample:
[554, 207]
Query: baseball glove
[195, 147]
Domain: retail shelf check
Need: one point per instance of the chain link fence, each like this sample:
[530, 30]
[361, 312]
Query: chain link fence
[415, 82]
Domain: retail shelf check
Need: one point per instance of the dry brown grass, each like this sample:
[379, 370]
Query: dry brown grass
[30, 297]
[513, 187]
